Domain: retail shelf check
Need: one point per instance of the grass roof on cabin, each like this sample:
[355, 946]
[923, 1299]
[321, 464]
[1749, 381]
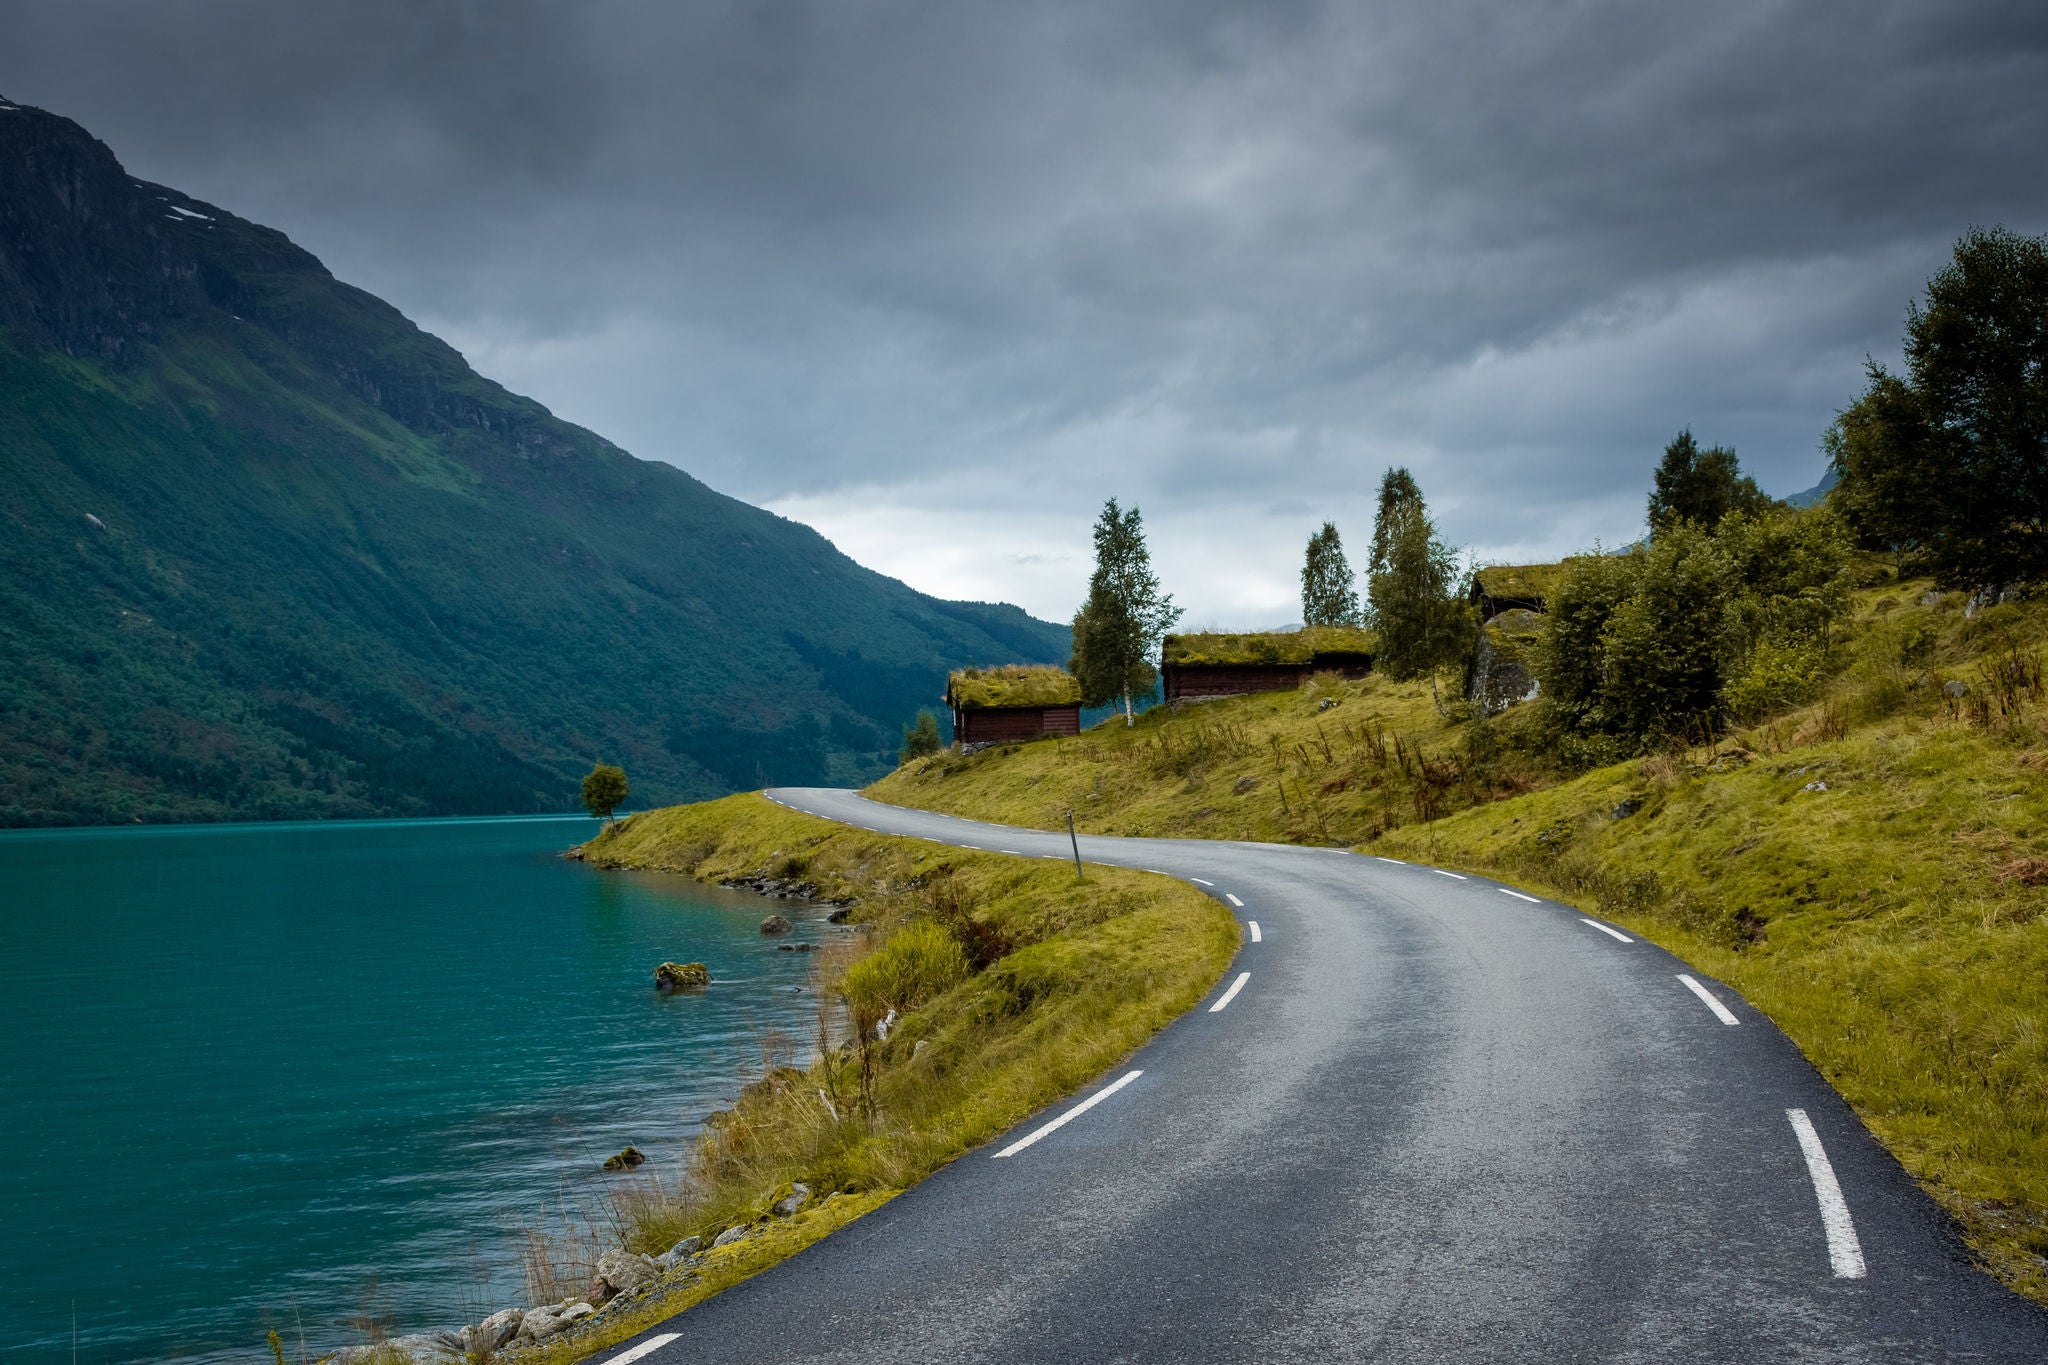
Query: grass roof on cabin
[1520, 582]
[1013, 685]
[1270, 647]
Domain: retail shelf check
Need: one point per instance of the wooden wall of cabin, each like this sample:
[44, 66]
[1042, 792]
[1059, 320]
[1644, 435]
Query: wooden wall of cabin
[1003, 724]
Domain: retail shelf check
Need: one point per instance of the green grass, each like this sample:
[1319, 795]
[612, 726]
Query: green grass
[1895, 924]
[1063, 977]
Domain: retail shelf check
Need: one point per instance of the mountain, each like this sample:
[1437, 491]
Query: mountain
[1812, 496]
[268, 550]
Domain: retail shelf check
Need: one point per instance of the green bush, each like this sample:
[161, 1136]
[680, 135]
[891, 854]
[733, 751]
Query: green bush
[919, 961]
[1777, 676]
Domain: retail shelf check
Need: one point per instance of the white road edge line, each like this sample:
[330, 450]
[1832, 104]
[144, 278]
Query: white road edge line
[1845, 1253]
[1233, 900]
[1395, 861]
[1253, 925]
[645, 1348]
[1611, 933]
[1231, 994]
[1441, 873]
[1518, 895]
[1720, 1010]
[1064, 1119]
[1199, 882]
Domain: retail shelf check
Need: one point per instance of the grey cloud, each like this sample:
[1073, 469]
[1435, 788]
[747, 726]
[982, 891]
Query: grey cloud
[1196, 254]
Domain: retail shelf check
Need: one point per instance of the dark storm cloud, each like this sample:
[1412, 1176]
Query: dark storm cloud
[862, 259]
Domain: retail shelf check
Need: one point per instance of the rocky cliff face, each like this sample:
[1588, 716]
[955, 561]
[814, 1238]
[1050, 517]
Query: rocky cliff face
[272, 550]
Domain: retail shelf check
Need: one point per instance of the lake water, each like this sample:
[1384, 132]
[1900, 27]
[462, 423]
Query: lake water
[278, 1075]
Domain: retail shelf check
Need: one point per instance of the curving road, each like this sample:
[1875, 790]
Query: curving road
[1436, 1120]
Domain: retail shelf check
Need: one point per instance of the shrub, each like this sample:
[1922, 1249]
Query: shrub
[919, 961]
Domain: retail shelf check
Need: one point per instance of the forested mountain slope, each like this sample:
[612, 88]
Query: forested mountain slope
[269, 550]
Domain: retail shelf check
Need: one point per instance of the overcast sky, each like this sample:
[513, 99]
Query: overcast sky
[938, 278]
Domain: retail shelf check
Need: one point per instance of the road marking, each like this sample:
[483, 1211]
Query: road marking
[1845, 1253]
[1441, 873]
[974, 848]
[1395, 861]
[1153, 870]
[1231, 994]
[1518, 895]
[1064, 1119]
[645, 1348]
[1233, 900]
[1611, 933]
[1011, 851]
[1199, 882]
[1253, 925]
[1720, 1010]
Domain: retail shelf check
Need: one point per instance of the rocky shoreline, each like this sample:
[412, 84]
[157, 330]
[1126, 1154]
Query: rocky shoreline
[623, 1278]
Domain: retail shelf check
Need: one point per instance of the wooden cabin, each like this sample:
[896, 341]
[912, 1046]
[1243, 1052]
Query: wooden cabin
[1506, 587]
[1198, 667]
[1013, 702]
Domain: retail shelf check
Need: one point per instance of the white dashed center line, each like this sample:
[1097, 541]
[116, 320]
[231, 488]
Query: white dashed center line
[1720, 1010]
[1231, 994]
[1611, 933]
[1845, 1253]
[1441, 873]
[1011, 851]
[645, 1348]
[1233, 900]
[1518, 895]
[1395, 861]
[1064, 1119]
[1199, 882]
[1253, 925]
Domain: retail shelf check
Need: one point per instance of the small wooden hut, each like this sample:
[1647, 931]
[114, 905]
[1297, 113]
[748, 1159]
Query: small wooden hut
[1012, 702]
[1198, 667]
[1506, 587]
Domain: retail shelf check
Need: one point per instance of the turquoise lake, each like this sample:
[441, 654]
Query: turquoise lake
[265, 1076]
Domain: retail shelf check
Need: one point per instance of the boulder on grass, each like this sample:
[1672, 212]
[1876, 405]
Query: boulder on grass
[494, 1331]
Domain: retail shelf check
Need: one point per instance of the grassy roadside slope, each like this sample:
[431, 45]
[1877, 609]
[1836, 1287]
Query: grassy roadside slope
[1870, 869]
[1337, 762]
[1049, 982]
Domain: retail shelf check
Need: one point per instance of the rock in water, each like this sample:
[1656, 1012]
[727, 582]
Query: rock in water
[839, 916]
[681, 976]
[624, 1271]
[625, 1160]
[776, 924]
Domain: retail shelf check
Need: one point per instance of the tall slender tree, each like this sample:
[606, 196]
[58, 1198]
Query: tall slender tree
[1119, 627]
[1423, 621]
[1329, 594]
[1398, 496]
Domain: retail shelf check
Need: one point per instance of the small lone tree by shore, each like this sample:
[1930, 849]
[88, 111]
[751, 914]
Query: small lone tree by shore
[605, 790]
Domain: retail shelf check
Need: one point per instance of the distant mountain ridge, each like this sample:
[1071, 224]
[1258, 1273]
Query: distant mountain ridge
[271, 551]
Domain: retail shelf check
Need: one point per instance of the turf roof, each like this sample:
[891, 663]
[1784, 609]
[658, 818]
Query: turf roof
[979, 689]
[1294, 647]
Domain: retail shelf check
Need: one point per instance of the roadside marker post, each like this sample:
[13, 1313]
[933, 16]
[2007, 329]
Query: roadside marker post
[1075, 839]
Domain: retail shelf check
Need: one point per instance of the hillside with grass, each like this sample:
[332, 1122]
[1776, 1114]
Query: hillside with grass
[271, 551]
[1869, 864]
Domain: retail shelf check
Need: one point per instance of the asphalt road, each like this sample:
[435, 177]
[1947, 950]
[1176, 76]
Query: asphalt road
[1437, 1121]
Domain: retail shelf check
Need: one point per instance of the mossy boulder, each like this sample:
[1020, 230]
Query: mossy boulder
[682, 976]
